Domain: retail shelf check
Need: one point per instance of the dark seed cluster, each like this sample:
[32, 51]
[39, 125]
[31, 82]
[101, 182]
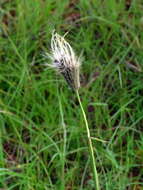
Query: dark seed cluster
[67, 73]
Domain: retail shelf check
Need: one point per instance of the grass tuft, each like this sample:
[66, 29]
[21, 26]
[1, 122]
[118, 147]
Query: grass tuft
[42, 141]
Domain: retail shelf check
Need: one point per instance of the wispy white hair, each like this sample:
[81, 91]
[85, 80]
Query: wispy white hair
[64, 60]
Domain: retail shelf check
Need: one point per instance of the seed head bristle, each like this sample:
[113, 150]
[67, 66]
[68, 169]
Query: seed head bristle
[64, 60]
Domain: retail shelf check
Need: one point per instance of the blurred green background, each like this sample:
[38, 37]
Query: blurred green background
[43, 144]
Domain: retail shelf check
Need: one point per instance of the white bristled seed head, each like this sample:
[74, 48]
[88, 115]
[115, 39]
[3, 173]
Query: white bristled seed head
[64, 60]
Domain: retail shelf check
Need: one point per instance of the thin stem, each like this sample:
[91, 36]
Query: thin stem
[90, 145]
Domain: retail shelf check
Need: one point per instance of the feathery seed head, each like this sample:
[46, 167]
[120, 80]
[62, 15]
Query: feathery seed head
[65, 61]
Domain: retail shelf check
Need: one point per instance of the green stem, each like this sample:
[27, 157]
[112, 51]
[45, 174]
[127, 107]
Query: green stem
[95, 174]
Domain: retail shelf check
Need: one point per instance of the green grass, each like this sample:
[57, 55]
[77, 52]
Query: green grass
[43, 144]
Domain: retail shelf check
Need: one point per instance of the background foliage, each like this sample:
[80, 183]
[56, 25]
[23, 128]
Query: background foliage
[43, 142]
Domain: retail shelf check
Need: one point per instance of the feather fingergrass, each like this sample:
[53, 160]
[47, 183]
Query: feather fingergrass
[65, 62]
